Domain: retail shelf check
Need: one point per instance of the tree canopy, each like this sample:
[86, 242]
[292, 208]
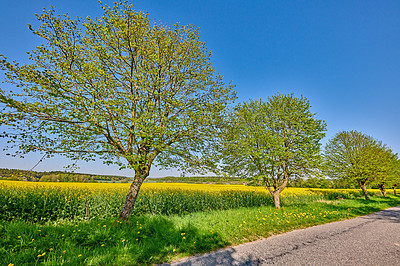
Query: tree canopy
[357, 157]
[272, 141]
[120, 88]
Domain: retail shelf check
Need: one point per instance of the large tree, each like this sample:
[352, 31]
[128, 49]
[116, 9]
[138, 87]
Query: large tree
[118, 88]
[272, 141]
[355, 157]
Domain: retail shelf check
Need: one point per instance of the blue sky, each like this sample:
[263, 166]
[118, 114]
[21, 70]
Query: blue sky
[344, 56]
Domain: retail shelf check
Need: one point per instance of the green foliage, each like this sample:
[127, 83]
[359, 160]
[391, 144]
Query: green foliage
[272, 141]
[358, 158]
[57, 176]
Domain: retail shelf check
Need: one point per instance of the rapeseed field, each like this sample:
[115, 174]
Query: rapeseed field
[40, 202]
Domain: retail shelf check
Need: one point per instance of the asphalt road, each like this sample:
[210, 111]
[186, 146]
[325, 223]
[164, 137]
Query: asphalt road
[368, 240]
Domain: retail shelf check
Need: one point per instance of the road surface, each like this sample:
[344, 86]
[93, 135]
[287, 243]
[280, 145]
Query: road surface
[368, 240]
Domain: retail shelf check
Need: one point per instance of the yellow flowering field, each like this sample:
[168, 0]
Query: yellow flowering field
[36, 201]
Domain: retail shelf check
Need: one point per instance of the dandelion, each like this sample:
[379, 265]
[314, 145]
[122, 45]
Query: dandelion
[102, 245]
[18, 237]
[123, 240]
[104, 225]
[10, 264]
[79, 255]
[64, 251]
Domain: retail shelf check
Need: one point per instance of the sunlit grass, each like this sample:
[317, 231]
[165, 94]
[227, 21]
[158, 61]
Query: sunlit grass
[150, 239]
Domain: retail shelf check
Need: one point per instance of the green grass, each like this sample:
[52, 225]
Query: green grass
[149, 239]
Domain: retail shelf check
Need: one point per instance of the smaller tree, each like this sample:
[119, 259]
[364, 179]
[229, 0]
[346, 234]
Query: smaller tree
[272, 141]
[386, 176]
[355, 157]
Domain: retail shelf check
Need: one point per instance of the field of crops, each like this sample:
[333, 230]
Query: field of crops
[40, 202]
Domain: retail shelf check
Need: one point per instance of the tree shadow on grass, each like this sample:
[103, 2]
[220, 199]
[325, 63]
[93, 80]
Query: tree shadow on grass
[160, 237]
[149, 240]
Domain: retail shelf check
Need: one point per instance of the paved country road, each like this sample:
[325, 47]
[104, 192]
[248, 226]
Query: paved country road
[368, 240]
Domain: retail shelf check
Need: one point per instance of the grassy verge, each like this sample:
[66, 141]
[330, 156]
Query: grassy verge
[156, 238]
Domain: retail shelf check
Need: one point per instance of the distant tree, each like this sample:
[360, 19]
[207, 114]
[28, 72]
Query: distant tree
[120, 88]
[355, 157]
[387, 174]
[272, 141]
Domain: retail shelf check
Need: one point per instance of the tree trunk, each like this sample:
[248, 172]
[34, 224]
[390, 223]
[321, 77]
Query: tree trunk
[131, 197]
[394, 191]
[364, 189]
[382, 188]
[277, 200]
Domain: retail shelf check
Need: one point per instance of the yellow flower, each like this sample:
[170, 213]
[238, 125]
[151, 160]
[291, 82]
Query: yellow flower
[51, 249]
[10, 264]
[102, 245]
[79, 255]
[18, 237]
[64, 251]
[123, 240]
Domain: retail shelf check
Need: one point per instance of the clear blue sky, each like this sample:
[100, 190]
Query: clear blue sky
[344, 56]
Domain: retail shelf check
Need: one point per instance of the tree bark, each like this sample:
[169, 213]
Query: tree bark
[364, 189]
[131, 197]
[277, 200]
[382, 188]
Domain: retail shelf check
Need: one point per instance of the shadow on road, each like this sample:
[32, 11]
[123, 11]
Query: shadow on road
[389, 216]
[223, 257]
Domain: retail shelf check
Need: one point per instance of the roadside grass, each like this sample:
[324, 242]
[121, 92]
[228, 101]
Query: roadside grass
[149, 239]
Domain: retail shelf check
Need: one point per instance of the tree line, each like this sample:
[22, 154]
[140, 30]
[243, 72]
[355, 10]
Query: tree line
[129, 91]
[57, 176]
